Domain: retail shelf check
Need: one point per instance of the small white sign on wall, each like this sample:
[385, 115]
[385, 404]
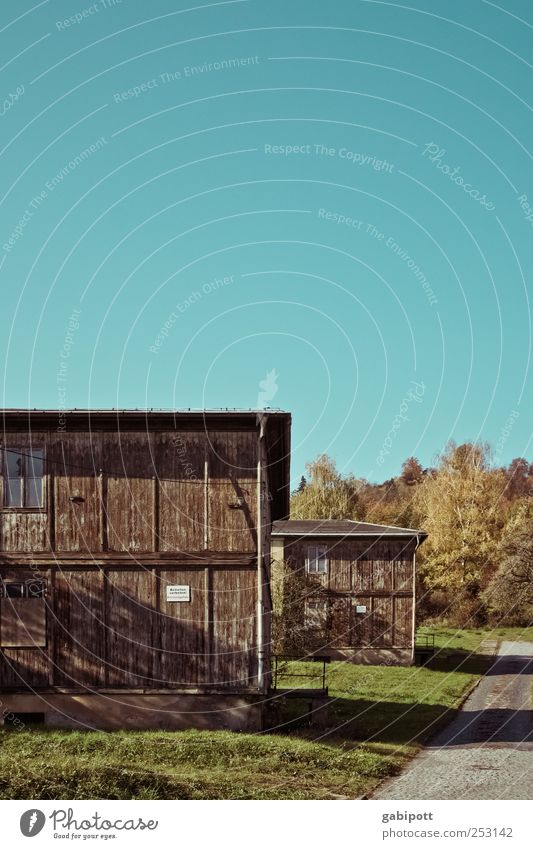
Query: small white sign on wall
[178, 592]
[360, 608]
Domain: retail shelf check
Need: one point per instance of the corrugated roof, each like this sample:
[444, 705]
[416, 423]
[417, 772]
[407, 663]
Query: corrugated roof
[338, 528]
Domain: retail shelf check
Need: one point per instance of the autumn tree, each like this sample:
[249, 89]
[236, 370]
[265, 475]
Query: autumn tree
[389, 503]
[412, 472]
[461, 509]
[518, 478]
[509, 595]
[327, 493]
[467, 506]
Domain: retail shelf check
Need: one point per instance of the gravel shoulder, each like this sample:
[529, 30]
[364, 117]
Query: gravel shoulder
[486, 752]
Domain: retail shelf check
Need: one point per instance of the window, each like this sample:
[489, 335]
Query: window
[23, 478]
[317, 560]
[22, 614]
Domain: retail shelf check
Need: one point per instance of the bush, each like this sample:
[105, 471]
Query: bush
[467, 610]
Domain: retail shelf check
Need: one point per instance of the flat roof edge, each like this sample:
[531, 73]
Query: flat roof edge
[403, 533]
[138, 411]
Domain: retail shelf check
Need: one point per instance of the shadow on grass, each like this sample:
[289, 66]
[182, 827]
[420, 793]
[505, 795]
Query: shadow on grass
[392, 724]
[358, 720]
[459, 660]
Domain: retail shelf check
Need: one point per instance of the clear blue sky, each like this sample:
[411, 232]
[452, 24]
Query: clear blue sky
[335, 194]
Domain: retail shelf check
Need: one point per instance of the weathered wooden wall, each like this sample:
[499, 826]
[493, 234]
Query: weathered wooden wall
[125, 513]
[138, 492]
[113, 628]
[376, 573]
[135, 501]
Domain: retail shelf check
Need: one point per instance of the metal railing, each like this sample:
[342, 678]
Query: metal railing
[282, 670]
[425, 641]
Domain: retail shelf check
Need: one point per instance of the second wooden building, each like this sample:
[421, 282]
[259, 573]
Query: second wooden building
[345, 590]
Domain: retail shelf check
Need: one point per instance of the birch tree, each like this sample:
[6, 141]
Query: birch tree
[461, 508]
[327, 494]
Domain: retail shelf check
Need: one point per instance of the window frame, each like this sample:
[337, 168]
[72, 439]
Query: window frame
[27, 454]
[316, 558]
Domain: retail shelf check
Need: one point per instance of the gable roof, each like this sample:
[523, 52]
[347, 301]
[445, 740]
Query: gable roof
[339, 528]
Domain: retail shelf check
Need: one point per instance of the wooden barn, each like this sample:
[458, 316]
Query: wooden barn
[346, 590]
[134, 555]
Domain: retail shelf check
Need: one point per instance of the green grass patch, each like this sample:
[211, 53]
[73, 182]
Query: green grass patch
[39, 764]
[391, 707]
[470, 639]
[470, 650]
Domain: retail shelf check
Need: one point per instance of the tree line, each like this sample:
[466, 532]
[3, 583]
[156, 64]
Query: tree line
[476, 567]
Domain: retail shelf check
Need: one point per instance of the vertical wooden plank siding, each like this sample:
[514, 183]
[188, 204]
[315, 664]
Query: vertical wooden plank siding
[340, 567]
[138, 492]
[232, 501]
[403, 575]
[382, 575]
[341, 619]
[382, 621]
[206, 503]
[402, 621]
[78, 631]
[363, 622]
[51, 507]
[372, 573]
[208, 625]
[115, 628]
[166, 498]
[129, 469]
[155, 513]
[179, 460]
[234, 627]
[130, 628]
[102, 492]
[25, 531]
[51, 624]
[23, 668]
[77, 460]
[182, 632]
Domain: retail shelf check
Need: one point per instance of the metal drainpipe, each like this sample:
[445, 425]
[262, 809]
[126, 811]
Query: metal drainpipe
[413, 631]
[260, 594]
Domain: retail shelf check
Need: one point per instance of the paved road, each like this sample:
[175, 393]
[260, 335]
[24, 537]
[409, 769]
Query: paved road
[487, 750]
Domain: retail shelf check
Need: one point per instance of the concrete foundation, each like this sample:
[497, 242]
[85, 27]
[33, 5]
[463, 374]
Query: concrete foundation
[115, 711]
[371, 656]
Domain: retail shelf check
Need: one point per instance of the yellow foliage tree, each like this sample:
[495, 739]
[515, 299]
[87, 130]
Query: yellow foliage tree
[460, 503]
[327, 494]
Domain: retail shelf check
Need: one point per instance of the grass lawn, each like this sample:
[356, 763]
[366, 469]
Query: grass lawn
[379, 717]
[469, 640]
